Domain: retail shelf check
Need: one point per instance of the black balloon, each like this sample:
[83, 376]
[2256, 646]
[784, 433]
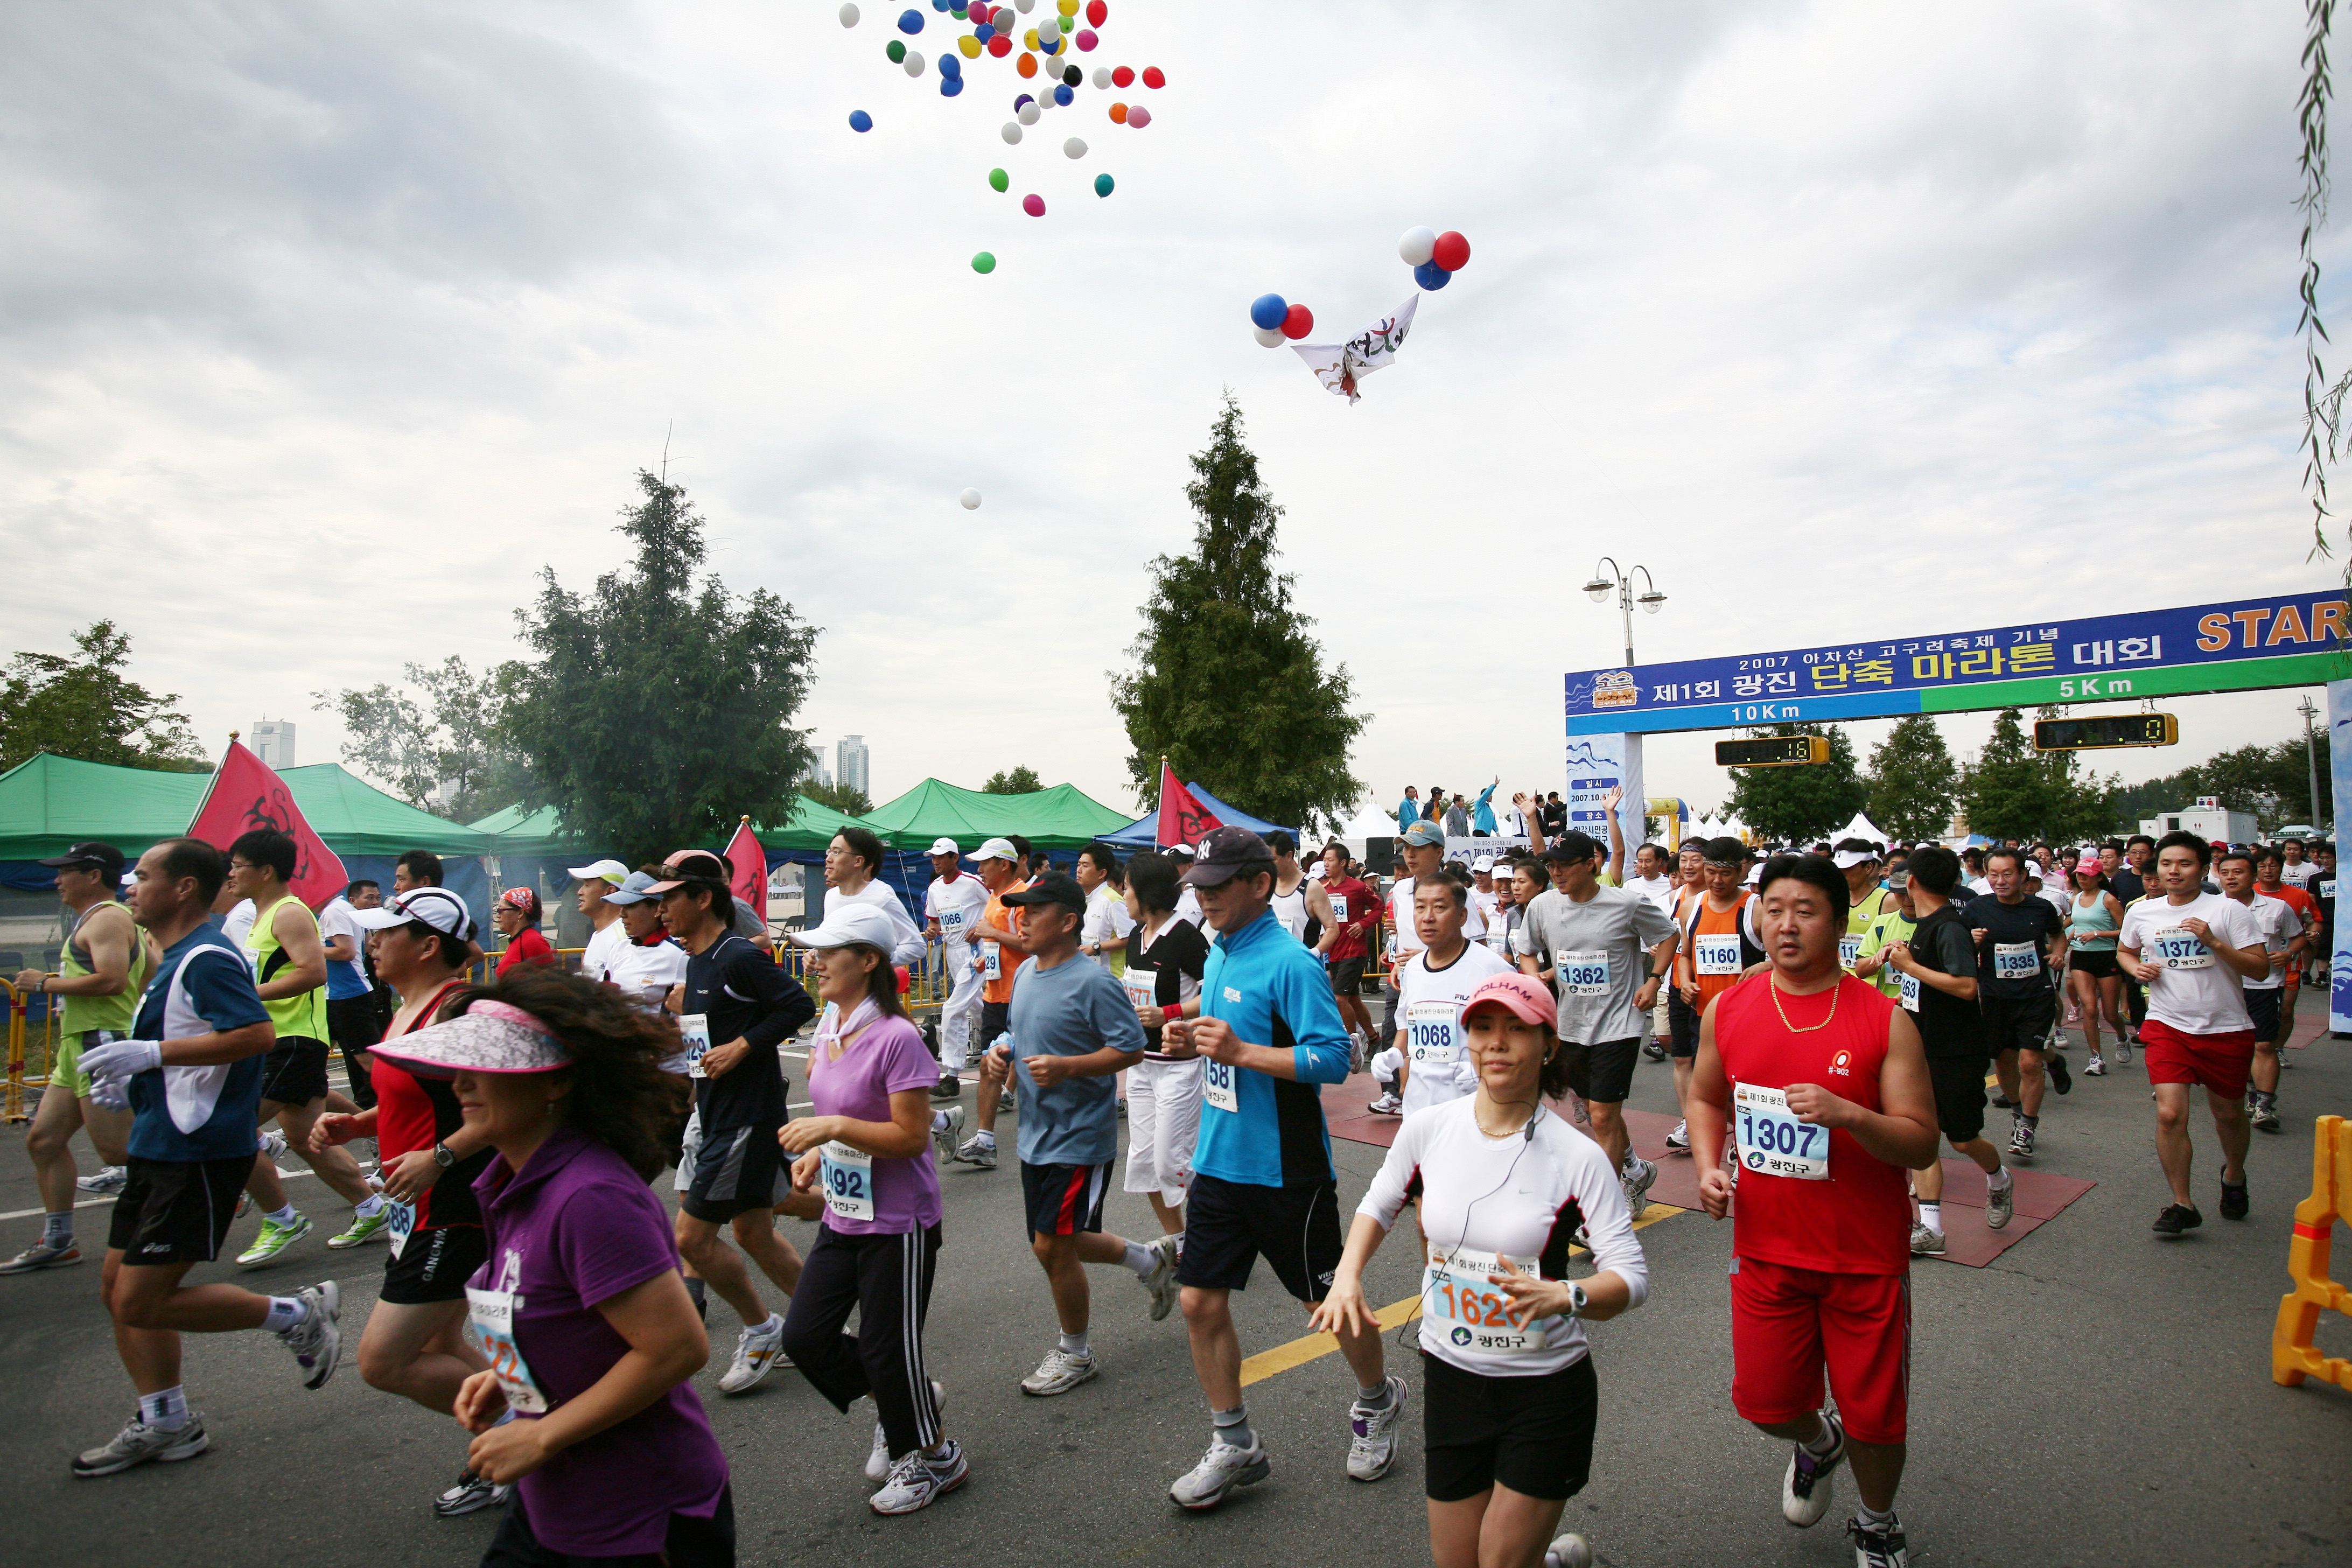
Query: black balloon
[1073, 75]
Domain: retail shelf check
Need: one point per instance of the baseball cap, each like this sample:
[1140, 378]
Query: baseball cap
[637, 888]
[1575, 845]
[1053, 888]
[1484, 863]
[1182, 851]
[1898, 881]
[439, 907]
[103, 859]
[943, 846]
[488, 1037]
[1224, 851]
[1847, 859]
[850, 923]
[1316, 869]
[1524, 996]
[686, 863]
[2089, 862]
[994, 849]
[1425, 833]
[610, 871]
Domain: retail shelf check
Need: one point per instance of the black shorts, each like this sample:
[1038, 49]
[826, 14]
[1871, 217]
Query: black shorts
[735, 1172]
[1959, 1083]
[692, 1542]
[1063, 1200]
[2263, 1007]
[1348, 976]
[995, 1017]
[1682, 1027]
[2098, 965]
[434, 1265]
[2019, 1022]
[1228, 1224]
[353, 1023]
[1534, 1434]
[1603, 1072]
[177, 1211]
[295, 1071]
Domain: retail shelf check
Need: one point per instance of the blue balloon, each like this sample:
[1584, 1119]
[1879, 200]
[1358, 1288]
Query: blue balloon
[1267, 310]
[949, 86]
[942, 5]
[1104, 184]
[950, 67]
[1062, 94]
[983, 32]
[911, 22]
[1429, 275]
[860, 120]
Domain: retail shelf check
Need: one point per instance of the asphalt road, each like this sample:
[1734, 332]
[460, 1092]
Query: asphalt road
[2096, 1396]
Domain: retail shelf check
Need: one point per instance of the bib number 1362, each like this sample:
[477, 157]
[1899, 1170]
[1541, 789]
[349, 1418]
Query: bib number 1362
[1773, 1142]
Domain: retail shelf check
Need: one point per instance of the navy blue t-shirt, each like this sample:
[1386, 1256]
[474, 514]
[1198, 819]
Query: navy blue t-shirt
[189, 1113]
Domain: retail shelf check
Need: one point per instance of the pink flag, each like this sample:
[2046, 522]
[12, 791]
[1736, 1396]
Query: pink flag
[246, 795]
[747, 864]
[1182, 819]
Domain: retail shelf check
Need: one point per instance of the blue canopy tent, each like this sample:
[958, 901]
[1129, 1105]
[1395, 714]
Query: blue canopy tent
[1143, 833]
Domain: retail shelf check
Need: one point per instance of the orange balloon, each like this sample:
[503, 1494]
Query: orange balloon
[1027, 66]
[1118, 114]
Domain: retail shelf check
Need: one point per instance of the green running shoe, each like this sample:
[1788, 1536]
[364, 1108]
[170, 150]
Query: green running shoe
[274, 1239]
[363, 1227]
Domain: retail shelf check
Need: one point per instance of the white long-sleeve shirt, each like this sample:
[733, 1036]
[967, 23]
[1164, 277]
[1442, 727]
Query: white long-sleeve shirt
[909, 947]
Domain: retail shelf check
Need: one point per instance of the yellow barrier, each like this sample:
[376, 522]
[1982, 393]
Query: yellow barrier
[2293, 1357]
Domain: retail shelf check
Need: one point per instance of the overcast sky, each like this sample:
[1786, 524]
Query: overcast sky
[324, 327]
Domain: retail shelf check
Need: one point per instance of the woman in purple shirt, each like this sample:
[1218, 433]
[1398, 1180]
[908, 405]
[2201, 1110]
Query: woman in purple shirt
[581, 1309]
[867, 1149]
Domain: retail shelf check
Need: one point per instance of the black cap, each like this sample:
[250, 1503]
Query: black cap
[1575, 845]
[103, 858]
[1053, 888]
[1224, 851]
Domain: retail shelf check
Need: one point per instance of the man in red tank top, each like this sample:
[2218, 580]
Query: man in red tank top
[1824, 1082]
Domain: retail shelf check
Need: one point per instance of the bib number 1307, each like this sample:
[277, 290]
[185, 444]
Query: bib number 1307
[1773, 1142]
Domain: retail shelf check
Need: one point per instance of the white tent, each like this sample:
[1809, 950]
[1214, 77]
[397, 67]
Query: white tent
[1372, 822]
[1863, 828]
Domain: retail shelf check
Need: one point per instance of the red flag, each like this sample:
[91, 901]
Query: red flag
[1182, 819]
[246, 795]
[748, 864]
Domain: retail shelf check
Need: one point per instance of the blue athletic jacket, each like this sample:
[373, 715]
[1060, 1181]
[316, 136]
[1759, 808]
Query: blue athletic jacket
[1272, 991]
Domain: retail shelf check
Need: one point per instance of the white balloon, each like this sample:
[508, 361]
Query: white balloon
[1417, 246]
[1012, 132]
[849, 16]
[1025, 7]
[914, 63]
[1102, 75]
[1269, 336]
[1027, 114]
[970, 500]
[1074, 148]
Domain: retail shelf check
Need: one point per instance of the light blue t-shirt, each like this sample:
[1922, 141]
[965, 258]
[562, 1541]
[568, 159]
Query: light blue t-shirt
[1072, 1009]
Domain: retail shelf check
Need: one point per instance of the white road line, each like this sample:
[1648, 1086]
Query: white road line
[100, 1203]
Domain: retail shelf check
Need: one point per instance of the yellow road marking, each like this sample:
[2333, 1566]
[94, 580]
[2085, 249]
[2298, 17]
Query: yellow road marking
[1298, 1352]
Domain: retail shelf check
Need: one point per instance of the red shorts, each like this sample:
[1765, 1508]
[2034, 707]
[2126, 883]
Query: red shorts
[1791, 1325]
[2220, 1062]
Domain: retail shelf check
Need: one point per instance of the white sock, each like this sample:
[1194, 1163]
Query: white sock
[1869, 1517]
[938, 1120]
[166, 1410]
[1139, 1257]
[285, 1312]
[1932, 1216]
[1999, 1181]
[56, 1229]
[1820, 1447]
[282, 1217]
[774, 1325]
[984, 1138]
[1076, 1344]
[370, 1209]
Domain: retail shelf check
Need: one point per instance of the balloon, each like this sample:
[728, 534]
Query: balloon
[1452, 252]
[949, 85]
[1416, 246]
[1102, 75]
[1122, 76]
[896, 51]
[983, 263]
[1029, 39]
[1298, 321]
[1087, 41]
[984, 36]
[1268, 337]
[1027, 112]
[849, 16]
[1103, 184]
[1027, 65]
[970, 500]
[911, 22]
[1062, 94]
[1138, 117]
[950, 65]
[1072, 75]
[1074, 148]
[970, 47]
[1066, 8]
[998, 179]
[1034, 204]
[1154, 77]
[1025, 7]
[1430, 275]
[1267, 310]
[1012, 134]
[1000, 45]
[914, 62]
[860, 120]
[1118, 114]
[1096, 10]
[980, 14]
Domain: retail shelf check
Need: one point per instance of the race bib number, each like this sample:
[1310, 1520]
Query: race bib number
[2174, 948]
[847, 1176]
[399, 1225]
[1909, 993]
[1429, 1029]
[2327, 887]
[992, 961]
[1217, 1086]
[1339, 908]
[1849, 952]
[2016, 960]
[1462, 1291]
[1773, 1142]
[1584, 973]
[1715, 954]
[1142, 986]
[952, 921]
[493, 1312]
[694, 1028]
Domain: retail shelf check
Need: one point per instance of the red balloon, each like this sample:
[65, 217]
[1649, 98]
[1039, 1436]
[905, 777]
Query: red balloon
[1000, 45]
[1154, 77]
[1298, 322]
[1122, 76]
[1096, 10]
[1451, 253]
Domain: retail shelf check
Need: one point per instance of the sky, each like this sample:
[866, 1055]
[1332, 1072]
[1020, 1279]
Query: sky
[325, 328]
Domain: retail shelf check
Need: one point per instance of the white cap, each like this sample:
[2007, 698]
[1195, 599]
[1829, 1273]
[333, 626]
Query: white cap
[610, 871]
[1847, 859]
[994, 849]
[1484, 863]
[850, 923]
[1316, 869]
[943, 846]
[439, 907]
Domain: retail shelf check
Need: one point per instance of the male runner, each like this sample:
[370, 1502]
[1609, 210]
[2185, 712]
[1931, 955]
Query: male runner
[1421, 851]
[1001, 931]
[353, 1021]
[2294, 870]
[1355, 914]
[1263, 1179]
[1657, 879]
[1833, 1102]
[2018, 939]
[1716, 946]
[2194, 949]
[2323, 894]
[1429, 1060]
[951, 912]
[2282, 942]
[1895, 924]
[1299, 901]
[2270, 882]
[105, 963]
[191, 1074]
[608, 938]
[853, 869]
[1866, 897]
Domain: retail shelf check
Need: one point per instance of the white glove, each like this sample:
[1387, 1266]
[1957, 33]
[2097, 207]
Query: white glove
[113, 1066]
[111, 1093]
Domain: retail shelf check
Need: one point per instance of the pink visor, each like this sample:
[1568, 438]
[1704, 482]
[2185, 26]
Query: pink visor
[1528, 999]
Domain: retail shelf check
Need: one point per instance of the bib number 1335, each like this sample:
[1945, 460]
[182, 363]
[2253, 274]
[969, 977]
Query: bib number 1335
[1773, 1142]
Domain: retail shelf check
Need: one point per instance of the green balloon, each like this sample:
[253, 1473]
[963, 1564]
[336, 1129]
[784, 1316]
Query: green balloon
[896, 51]
[1103, 185]
[998, 179]
[983, 263]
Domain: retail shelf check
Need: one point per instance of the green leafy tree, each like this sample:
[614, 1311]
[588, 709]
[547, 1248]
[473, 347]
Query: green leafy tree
[1914, 782]
[84, 706]
[2006, 791]
[1228, 686]
[1022, 780]
[846, 799]
[2272, 781]
[2076, 803]
[1800, 804]
[659, 709]
[444, 753]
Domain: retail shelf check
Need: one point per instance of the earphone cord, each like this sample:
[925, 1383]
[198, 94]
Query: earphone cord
[1535, 1113]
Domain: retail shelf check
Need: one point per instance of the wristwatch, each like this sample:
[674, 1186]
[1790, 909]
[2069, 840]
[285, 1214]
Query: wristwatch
[1576, 1301]
[443, 1156]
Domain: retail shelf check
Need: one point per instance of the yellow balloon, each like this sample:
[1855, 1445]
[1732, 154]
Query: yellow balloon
[969, 47]
[1066, 8]
[1029, 39]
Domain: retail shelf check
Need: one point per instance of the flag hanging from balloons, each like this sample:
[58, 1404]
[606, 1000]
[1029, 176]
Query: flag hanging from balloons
[1341, 367]
[246, 795]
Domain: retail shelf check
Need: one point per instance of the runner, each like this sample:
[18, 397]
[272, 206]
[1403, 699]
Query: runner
[105, 963]
[1072, 1027]
[353, 1021]
[1612, 948]
[2294, 870]
[999, 933]
[2323, 895]
[2283, 941]
[1510, 1396]
[1163, 980]
[2269, 867]
[1421, 851]
[1679, 1041]
[1426, 1060]
[877, 1247]
[1103, 937]
[2199, 948]
[1355, 915]
[952, 913]
[1897, 924]
[1484, 898]
[1657, 879]
[1300, 903]
[2093, 916]
[290, 963]
[517, 914]
[736, 1007]
[196, 1056]
[415, 1344]
[1716, 946]
[607, 937]
[1865, 894]
[1834, 1102]
[853, 867]
[2019, 937]
[1263, 1179]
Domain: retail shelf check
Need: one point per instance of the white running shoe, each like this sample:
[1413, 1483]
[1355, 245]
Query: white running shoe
[978, 1153]
[947, 1132]
[273, 1143]
[1637, 1180]
[1571, 1550]
[137, 1443]
[1059, 1372]
[1386, 1105]
[1220, 1469]
[110, 1179]
[918, 1479]
[877, 1462]
[1812, 1479]
[1677, 1143]
[317, 1340]
[1162, 1280]
[1372, 1436]
[756, 1355]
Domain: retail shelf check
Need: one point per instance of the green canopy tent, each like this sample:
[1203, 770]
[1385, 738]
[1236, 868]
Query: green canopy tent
[48, 803]
[540, 833]
[1063, 818]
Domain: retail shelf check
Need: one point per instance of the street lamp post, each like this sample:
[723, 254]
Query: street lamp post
[1621, 581]
[2311, 757]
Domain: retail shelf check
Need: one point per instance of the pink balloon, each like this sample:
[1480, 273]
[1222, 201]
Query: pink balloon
[1034, 205]
[1138, 116]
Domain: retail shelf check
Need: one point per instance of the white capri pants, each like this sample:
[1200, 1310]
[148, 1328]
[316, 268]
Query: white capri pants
[959, 1014]
[1164, 1124]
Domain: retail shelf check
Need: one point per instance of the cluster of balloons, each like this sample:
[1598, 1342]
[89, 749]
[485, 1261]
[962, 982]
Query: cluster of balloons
[1276, 321]
[1435, 258]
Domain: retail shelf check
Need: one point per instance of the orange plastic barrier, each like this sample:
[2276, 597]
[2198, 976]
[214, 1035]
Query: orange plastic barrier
[2293, 1357]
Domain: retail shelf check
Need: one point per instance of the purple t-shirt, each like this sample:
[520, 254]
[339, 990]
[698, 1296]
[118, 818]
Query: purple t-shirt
[576, 1228]
[888, 1058]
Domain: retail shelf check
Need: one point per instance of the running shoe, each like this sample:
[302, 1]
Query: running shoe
[1004, 1101]
[42, 1255]
[2054, 1063]
[2001, 1102]
[756, 1355]
[1811, 1480]
[1879, 1545]
[1220, 1469]
[918, 1480]
[2123, 1052]
[1161, 1281]
[2096, 1067]
[244, 1202]
[1372, 1436]
[110, 1179]
[1654, 1051]
[979, 1151]
[2000, 1205]
[1359, 1051]
[1059, 1372]
[273, 1143]
[2074, 1014]
[137, 1443]
[1569, 1551]
[950, 1087]
[1925, 1241]
[1677, 1143]
[947, 1132]
[317, 1340]
[2285, 1061]
[2177, 1218]
[877, 1462]
[470, 1494]
[274, 1239]
[1386, 1105]
[2265, 1115]
[2234, 1203]
[2020, 1140]
[364, 1227]
[1637, 1183]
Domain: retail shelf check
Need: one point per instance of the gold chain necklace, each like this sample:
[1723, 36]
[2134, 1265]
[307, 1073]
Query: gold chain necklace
[1809, 1028]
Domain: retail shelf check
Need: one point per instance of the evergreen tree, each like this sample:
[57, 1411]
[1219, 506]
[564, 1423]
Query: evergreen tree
[1229, 686]
[1799, 805]
[85, 708]
[1022, 780]
[1914, 782]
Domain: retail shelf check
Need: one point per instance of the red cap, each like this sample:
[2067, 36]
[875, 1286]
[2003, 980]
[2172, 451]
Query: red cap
[1523, 995]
